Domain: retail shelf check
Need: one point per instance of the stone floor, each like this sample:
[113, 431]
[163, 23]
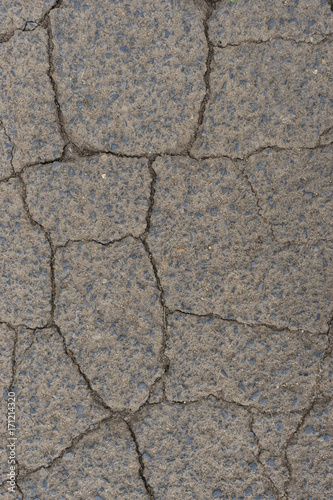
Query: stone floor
[166, 249]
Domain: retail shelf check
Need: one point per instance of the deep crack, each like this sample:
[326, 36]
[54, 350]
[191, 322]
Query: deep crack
[47, 237]
[164, 359]
[148, 488]
[50, 73]
[151, 196]
[275, 328]
[251, 41]
[210, 8]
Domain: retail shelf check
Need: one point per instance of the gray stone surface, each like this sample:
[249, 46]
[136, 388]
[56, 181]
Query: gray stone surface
[294, 192]
[131, 79]
[54, 404]
[107, 306]
[270, 94]
[20, 14]
[251, 366]
[102, 465]
[25, 275]
[310, 457]
[299, 20]
[101, 198]
[27, 109]
[200, 451]
[215, 252]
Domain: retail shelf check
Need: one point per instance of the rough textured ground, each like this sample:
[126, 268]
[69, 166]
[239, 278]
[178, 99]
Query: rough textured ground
[166, 248]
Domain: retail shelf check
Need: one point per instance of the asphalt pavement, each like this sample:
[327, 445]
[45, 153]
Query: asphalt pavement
[166, 249]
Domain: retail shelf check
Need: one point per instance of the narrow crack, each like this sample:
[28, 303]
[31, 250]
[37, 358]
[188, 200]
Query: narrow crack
[210, 8]
[251, 41]
[291, 440]
[94, 394]
[152, 392]
[244, 324]
[50, 73]
[327, 131]
[317, 398]
[165, 362]
[219, 397]
[148, 488]
[12, 148]
[151, 196]
[260, 451]
[68, 243]
[20, 325]
[81, 154]
[256, 196]
[27, 349]
[59, 159]
[327, 355]
[47, 236]
[261, 149]
[88, 152]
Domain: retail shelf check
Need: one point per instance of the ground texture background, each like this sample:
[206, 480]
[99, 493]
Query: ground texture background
[166, 248]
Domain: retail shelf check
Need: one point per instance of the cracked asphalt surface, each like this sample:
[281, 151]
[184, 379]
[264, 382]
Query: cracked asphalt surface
[166, 249]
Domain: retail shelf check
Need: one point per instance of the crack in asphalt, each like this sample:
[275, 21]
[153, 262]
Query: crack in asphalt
[50, 73]
[65, 156]
[257, 198]
[252, 41]
[210, 8]
[148, 488]
[274, 328]
[12, 148]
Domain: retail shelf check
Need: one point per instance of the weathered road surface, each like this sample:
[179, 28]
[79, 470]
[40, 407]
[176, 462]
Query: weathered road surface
[166, 249]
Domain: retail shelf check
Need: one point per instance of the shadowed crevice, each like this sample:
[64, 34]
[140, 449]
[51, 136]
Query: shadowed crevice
[252, 41]
[210, 8]
[148, 488]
